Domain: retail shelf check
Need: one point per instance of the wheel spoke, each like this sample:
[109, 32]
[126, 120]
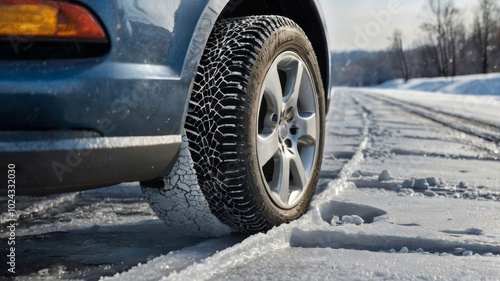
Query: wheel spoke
[267, 146]
[273, 91]
[307, 127]
[298, 171]
[284, 181]
[296, 76]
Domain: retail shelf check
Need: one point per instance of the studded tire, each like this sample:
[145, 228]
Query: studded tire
[255, 124]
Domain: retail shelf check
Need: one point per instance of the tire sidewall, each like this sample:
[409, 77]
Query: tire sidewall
[285, 38]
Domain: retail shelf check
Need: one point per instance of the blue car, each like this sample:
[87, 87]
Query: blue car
[224, 99]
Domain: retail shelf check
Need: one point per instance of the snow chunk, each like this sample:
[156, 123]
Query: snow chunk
[432, 181]
[421, 184]
[385, 176]
[406, 192]
[430, 193]
[470, 195]
[458, 251]
[407, 184]
[357, 220]
[356, 174]
[463, 185]
[335, 221]
[467, 253]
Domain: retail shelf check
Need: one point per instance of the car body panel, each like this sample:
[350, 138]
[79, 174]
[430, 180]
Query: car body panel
[132, 91]
[329, 91]
[83, 111]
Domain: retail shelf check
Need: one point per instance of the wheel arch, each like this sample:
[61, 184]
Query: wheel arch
[306, 13]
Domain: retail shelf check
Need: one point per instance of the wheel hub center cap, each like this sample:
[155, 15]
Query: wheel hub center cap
[283, 131]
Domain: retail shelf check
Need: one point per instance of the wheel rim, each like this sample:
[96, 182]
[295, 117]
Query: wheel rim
[288, 130]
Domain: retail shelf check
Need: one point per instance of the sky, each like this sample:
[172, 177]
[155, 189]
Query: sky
[368, 24]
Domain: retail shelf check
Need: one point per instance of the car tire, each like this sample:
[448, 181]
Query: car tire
[255, 123]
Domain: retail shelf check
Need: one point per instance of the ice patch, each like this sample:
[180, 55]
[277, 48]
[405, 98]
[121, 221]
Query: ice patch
[27, 206]
[469, 231]
[163, 266]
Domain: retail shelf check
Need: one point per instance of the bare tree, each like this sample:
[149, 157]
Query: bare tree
[495, 50]
[484, 31]
[423, 60]
[397, 47]
[443, 29]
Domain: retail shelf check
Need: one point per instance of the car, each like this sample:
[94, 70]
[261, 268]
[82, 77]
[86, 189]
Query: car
[227, 97]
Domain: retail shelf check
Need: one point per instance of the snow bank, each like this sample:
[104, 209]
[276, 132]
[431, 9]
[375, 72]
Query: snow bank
[480, 84]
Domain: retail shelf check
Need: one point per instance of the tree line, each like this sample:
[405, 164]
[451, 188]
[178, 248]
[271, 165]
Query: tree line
[450, 48]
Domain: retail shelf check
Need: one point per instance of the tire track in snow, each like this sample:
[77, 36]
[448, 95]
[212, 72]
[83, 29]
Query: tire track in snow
[338, 185]
[487, 131]
[388, 243]
[375, 242]
[444, 188]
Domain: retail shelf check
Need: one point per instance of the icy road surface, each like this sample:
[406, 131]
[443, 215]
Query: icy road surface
[409, 190]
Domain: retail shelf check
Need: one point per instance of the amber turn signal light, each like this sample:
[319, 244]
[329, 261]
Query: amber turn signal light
[48, 19]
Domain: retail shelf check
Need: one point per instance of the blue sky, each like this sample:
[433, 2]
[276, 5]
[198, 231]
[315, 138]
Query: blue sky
[368, 24]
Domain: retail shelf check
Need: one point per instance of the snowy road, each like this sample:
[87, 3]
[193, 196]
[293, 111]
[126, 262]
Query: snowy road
[435, 215]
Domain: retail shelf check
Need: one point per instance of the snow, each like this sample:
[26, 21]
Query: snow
[474, 96]
[401, 196]
[425, 236]
[479, 84]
